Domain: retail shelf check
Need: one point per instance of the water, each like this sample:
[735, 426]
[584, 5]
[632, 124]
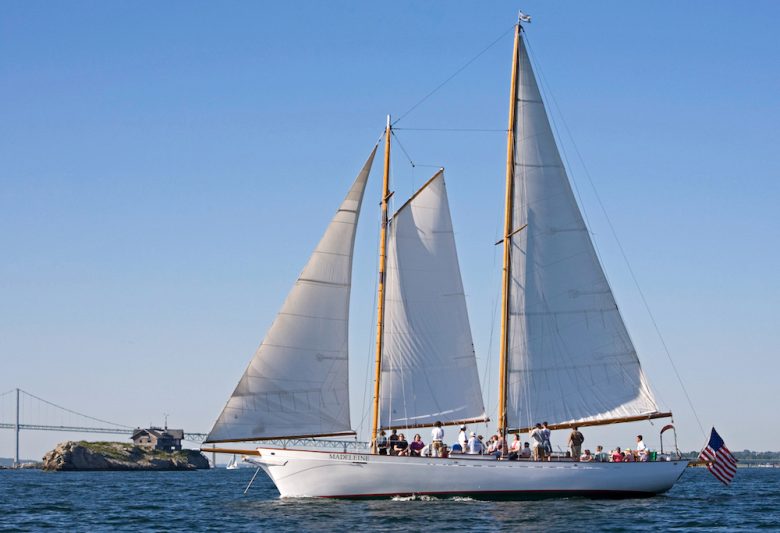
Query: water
[213, 500]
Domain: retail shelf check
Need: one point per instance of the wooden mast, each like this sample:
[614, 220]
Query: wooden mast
[508, 230]
[380, 312]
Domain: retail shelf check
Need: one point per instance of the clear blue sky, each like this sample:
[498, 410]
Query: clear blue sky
[166, 169]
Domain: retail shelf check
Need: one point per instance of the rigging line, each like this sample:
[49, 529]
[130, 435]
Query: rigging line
[628, 265]
[401, 146]
[75, 412]
[478, 130]
[409, 157]
[461, 69]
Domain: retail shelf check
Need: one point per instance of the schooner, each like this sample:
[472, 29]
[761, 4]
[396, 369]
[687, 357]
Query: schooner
[565, 353]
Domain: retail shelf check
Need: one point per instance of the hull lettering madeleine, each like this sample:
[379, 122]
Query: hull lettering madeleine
[348, 457]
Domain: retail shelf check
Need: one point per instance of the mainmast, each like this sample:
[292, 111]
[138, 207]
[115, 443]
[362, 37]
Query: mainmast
[380, 312]
[508, 231]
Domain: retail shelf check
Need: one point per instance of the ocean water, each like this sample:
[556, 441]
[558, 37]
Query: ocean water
[214, 501]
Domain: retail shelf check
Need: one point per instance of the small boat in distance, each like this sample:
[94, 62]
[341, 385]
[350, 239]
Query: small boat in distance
[233, 464]
[565, 354]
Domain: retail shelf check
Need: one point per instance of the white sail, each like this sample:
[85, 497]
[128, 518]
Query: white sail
[297, 382]
[429, 370]
[570, 356]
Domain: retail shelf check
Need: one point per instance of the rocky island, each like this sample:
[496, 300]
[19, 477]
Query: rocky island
[83, 455]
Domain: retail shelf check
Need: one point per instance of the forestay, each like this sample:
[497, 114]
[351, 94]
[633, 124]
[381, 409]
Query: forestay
[570, 356]
[297, 382]
[429, 369]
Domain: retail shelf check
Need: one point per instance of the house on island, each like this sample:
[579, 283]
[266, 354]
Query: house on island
[154, 438]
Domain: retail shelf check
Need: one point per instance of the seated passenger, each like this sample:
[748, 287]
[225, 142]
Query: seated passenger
[526, 452]
[402, 446]
[617, 455]
[601, 456]
[643, 456]
[586, 457]
[391, 442]
[456, 449]
[628, 457]
[500, 447]
[491, 445]
[416, 446]
[474, 446]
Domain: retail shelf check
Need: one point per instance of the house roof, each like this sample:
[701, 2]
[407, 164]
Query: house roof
[159, 432]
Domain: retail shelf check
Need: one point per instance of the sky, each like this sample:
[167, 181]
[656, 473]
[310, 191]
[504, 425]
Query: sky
[167, 168]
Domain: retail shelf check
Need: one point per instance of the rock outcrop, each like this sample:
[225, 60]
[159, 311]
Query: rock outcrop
[84, 455]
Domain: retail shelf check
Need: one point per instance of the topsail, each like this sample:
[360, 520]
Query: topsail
[297, 383]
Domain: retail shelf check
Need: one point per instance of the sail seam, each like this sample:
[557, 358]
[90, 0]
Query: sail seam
[314, 316]
[320, 282]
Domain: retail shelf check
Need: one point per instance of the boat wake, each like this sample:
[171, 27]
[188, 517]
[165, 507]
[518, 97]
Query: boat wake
[428, 498]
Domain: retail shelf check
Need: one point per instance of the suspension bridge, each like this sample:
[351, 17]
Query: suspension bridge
[22, 410]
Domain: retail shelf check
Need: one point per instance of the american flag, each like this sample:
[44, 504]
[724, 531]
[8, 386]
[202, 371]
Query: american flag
[720, 462]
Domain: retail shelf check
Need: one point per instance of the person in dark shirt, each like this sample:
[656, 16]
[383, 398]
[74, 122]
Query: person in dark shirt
[391, 442]
[402, 446]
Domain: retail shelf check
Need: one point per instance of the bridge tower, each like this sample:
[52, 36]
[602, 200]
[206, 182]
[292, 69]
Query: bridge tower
[16, 430]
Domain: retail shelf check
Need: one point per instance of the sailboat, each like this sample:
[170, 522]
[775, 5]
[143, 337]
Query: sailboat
[565, 354]
[233, 464]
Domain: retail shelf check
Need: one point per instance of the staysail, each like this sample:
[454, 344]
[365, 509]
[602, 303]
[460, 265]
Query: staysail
[429, 370]
[297, 382]
[570, 359]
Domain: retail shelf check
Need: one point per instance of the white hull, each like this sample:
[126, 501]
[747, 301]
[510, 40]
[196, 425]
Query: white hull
[303, 473]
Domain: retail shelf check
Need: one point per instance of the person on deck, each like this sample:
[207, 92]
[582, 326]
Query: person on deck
[437, 436]
[640, 444]
[537, 438]
[381, 443]
[586, 457]
[416, 446]
[601, 455]
[491, 447]
[515, 448]
[392, 441]
[402, 446]
[617, 456]
[500, 447]
[546, 442]
[526, 453]
[474, 445]
[576, 438]
[463, 439]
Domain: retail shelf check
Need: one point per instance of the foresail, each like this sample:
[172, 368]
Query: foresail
[297, 382]
[570, 356]
[429, 370]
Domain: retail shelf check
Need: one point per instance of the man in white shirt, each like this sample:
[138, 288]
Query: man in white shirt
[437, 436]
[463, 440]
[474, 446]
[640, 445]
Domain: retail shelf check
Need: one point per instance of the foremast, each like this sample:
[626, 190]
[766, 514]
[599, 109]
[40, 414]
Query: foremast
[508, 232]
[380, 311]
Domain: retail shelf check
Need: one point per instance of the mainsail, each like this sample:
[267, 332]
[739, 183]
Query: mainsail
[297, 382]
[429, 370]
[571, 360]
